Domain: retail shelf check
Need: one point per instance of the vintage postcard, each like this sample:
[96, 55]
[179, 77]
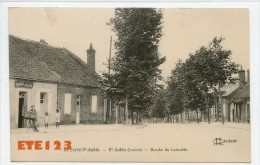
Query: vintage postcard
[129, 84]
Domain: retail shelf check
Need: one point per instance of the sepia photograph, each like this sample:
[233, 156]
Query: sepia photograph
[129, 84]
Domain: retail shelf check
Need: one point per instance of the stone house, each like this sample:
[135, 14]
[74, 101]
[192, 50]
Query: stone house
[232, 105]
[52, 78]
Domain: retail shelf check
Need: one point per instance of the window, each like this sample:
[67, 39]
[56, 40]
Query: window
[67, 103]
[22, 94]
[78, 100]
[42, 97]
[94, 104]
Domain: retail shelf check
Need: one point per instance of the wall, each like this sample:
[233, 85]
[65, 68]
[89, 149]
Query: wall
[86, 117]
[242, 109]
[33, 98]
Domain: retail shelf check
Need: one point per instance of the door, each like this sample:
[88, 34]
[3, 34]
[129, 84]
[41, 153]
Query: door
[22, 108]
[77, 118]
[78, 109]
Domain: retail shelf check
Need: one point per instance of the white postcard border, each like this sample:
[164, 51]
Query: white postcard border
[254, 14]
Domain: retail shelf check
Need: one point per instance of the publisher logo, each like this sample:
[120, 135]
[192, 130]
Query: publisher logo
[221, 142]
[218, 142]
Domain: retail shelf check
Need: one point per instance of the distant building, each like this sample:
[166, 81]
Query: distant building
[240, 111]
[236, 99]
[53, 78]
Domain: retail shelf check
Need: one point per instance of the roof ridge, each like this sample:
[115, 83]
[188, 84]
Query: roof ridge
[34, 41]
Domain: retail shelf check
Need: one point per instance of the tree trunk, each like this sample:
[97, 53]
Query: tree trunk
[188, 115]
[126, 110]
[217, 109]
[107, 112]
[229, 112]
[137, 117]
[220, 104]
[239, 112]
[208, 115]
[197, 116]
[110, 111]
[116, 109]
[124, 115]
[236, 119]
[207, 100]
[202, 116]
[132, 117]
[205, 115]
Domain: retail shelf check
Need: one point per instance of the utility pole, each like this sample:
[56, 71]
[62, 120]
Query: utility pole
[109, 66]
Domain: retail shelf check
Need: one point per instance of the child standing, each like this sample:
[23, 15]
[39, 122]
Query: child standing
[57, 118]
[46, 119]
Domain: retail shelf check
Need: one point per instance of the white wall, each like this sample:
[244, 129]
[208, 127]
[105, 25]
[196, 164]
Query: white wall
[33, 98]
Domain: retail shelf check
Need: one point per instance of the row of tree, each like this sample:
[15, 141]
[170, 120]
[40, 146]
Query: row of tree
[194, 84]
[133, 80]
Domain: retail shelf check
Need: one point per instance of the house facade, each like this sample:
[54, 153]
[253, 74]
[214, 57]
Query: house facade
[24, 93]
[80, 105]
[235, 99]
[240, 110]
[52, 78]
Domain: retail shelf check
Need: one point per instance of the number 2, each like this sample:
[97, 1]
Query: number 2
[57, 145]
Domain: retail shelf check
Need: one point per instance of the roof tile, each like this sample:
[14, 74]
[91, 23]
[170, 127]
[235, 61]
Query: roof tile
[36, 61]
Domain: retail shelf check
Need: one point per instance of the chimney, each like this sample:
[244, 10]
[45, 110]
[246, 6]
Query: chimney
[248, 75]
[91, 58]
[42, 41]
[241, 77]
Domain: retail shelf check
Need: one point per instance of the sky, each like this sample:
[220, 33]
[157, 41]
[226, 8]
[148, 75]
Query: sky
[185, 30]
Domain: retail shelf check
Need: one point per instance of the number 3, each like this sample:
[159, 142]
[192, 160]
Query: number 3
[67, 145]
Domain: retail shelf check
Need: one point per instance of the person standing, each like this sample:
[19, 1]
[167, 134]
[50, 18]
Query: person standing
[33, 120]
[46, 120]
[57, 118]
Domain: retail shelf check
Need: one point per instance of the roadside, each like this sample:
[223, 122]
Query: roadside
[121, 127]
[79, 128]
[245, 126]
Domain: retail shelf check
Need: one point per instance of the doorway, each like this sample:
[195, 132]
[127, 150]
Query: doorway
[22, 108]
[78, 109]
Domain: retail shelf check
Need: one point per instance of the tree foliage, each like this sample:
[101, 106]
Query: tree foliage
[135, 66]
[159, 108]
[191, 81]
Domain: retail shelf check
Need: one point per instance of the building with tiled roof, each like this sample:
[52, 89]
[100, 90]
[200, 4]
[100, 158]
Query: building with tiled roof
[241, 104]
[243, 94]
[230, 94]
[235, 99]
[53, 78]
